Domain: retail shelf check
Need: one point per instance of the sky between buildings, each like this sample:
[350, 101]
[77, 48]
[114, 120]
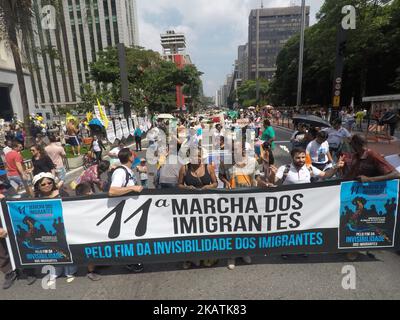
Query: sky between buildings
[214, 29]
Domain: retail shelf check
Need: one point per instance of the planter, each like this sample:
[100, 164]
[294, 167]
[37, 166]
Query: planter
[75, 162]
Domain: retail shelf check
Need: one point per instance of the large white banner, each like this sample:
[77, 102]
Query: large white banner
[111, 132]
[131, 127]
[176, 225]
[125, 129]
[216, 214]
[118, 129]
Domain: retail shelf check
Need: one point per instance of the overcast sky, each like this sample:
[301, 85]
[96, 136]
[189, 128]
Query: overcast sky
[213, 28]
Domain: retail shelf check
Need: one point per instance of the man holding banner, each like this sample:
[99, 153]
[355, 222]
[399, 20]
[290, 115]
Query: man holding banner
[123, 182]
[298, 172]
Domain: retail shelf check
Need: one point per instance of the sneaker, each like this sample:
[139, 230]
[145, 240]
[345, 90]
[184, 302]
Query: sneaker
[231, 264]
[9, 279]
[70, 278]
[352, 256]
[31, 280]
[247, 260]
[93, 276]
[136, 268]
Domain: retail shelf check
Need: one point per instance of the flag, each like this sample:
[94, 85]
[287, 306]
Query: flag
[71, 117]
[103, 116]
[89, 116]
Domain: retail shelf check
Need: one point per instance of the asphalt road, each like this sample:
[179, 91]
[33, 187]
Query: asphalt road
[316, 277]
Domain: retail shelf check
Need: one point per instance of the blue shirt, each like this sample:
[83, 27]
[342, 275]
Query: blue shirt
[138, 132]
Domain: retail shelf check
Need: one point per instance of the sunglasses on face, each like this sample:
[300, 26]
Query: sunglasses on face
[44, 184]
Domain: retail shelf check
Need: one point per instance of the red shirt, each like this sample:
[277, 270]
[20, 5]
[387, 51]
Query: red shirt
[371, 165]
[12, 158]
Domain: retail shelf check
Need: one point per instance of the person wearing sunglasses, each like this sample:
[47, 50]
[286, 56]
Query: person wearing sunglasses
[45, 187]
[41, 161]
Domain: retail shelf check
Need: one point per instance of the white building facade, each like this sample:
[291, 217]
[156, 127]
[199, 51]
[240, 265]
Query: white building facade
[10, 98]
[65, 50]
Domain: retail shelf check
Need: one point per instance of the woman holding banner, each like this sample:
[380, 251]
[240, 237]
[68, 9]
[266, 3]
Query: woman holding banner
[45, 188]
[243, 173]
[198, 176]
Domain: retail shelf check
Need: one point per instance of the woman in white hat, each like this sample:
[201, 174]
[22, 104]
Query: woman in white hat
[45, 187]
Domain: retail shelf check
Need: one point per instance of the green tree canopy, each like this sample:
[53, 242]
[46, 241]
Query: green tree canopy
[152, 81]
[371, 61]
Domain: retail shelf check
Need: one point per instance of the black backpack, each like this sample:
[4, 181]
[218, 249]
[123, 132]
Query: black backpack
[109, 178]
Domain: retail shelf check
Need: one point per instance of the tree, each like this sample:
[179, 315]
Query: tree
[152, 81]
[371, 57]
[247, 93]
[15, 18]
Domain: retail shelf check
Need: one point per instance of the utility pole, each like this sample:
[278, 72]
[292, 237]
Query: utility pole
[301, 56]
[124, 80]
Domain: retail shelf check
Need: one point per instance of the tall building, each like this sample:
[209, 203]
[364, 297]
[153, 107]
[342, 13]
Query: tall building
[10, 98]
[81, 29]
[243, 62]
[174, 50]
[269, 30]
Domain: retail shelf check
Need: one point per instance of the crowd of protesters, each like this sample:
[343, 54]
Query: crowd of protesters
[232, 151]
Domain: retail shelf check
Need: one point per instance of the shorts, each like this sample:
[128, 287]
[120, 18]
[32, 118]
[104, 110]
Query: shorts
[73, 141]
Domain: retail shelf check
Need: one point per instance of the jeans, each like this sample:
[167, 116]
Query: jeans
[144, 184]
[138, 141]
[5, 264]
[66, 271]
[16, 179]
[61, 174]
[98, 155]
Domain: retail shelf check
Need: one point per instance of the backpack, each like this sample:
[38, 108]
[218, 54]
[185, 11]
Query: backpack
[388, 118]
[107, 185]
[287, 170]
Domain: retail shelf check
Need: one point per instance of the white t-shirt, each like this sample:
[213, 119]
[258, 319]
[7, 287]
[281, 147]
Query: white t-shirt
[297, 177]
[6, 150]
[142, 175]
[336, 136]
[118, 179]
[96, 146]
[318, 152]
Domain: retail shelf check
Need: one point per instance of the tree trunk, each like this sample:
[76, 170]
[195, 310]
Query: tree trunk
[12, 37]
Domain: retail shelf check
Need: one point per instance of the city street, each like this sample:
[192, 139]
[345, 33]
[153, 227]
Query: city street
[315, 277]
